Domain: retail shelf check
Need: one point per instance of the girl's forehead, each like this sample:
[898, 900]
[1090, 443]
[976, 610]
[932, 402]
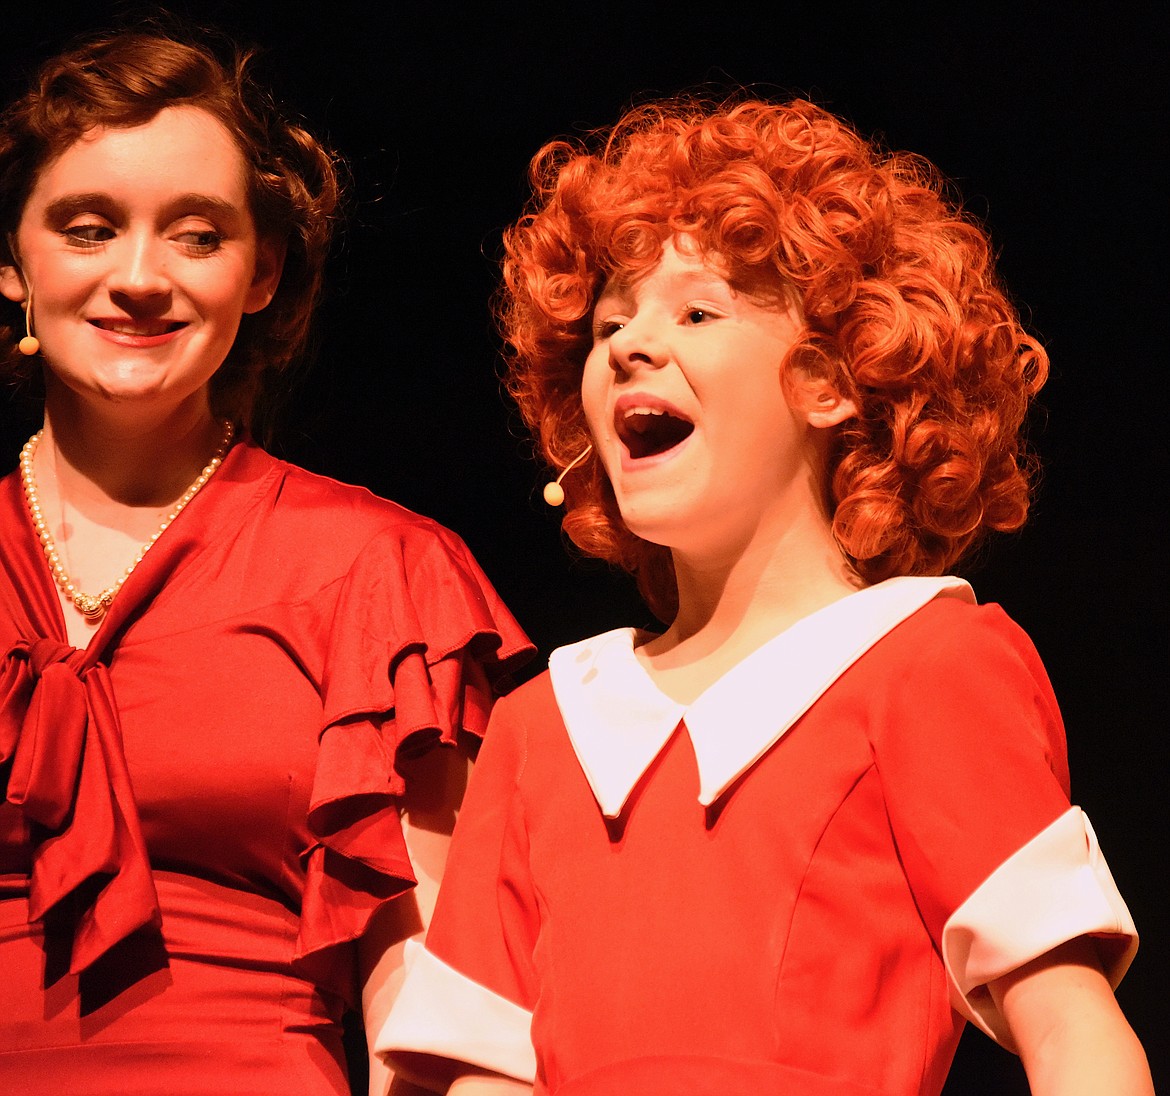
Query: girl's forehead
[680, 261]
[682, 266]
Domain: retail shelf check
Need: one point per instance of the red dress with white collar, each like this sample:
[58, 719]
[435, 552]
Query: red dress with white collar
[799, 883]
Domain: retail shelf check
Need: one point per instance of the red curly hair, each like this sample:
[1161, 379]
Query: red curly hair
[903, 314]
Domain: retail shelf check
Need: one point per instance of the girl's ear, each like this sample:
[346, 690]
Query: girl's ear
[817, 399]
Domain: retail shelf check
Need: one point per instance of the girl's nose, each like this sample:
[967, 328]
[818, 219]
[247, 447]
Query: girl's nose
[637, 345]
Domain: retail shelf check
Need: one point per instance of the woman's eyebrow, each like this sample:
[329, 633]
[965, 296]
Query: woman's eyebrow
[207, 205]
[69, 205]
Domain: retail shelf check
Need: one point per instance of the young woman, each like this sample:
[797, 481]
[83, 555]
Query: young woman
[218, 673]
[796, 841]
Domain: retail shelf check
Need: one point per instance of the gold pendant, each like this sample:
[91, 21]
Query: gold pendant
[90, 607]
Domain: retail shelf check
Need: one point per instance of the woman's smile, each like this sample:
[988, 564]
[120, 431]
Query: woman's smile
[142, 335]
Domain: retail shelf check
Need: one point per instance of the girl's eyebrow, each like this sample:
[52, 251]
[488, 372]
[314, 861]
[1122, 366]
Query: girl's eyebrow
[682, 280]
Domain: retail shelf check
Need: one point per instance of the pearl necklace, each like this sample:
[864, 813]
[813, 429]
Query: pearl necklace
[94, 606]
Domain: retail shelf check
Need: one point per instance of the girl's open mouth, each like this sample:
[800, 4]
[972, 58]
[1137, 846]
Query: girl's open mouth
[649, 431]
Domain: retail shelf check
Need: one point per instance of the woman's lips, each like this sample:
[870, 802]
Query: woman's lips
[138, 333]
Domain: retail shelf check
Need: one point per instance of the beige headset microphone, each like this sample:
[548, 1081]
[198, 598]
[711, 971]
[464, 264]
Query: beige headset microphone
[554, 493]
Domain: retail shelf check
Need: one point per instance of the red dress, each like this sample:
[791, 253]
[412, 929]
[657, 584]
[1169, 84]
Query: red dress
[800, 886]
[200, 808]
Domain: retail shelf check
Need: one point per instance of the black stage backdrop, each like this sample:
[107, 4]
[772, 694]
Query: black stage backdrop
[1050, 121]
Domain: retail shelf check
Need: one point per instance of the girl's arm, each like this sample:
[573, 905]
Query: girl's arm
[1070, 1031]
[488, 1084]
[435, 784]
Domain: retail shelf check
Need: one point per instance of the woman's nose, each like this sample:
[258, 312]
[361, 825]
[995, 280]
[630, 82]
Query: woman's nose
[139, 268]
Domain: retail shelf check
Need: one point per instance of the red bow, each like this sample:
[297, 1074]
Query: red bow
[61, 763]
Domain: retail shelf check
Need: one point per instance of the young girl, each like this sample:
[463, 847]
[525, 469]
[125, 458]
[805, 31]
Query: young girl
[794, 842]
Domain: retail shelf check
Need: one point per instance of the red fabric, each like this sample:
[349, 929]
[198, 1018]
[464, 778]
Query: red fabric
[59, 730]
[789, 932]
[230, 737]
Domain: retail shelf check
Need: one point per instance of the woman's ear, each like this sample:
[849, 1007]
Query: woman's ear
[817, 399]
[269, 267]
[11, 283]
[11, 280]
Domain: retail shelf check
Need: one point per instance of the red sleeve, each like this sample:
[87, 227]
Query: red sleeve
[486, 922]
[970, 749]
[419, 646]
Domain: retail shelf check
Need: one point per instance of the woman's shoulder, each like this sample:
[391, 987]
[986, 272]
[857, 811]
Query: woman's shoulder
[325, 516]
[322, 497]
[358, 558]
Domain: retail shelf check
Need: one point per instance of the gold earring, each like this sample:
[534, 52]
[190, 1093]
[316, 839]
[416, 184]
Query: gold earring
[30, 344]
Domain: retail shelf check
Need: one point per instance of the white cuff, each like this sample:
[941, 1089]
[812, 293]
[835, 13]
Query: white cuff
[440, 1011]
[1054, 889]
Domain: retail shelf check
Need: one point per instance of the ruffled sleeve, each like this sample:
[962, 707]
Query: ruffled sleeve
[419, 647]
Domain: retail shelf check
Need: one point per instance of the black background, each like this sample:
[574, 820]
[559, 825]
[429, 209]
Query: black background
[1051, 121]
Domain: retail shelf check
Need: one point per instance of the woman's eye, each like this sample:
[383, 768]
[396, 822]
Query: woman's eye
[201, 241]
[604, 329]
[87, 235]
[697, 315]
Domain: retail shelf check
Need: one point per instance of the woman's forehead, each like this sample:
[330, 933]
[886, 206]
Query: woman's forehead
[184, 147]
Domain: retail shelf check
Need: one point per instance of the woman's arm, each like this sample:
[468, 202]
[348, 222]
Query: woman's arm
[1070, 1031]
[435, 784]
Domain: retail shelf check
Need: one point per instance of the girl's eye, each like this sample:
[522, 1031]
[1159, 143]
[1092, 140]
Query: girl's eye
[604, 329]
[697, 315]
[88, 235]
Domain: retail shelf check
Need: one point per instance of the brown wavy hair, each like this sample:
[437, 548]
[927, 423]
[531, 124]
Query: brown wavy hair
[903, 313]
[124, 79]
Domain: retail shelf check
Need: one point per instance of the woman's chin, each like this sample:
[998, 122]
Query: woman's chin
[135, 394]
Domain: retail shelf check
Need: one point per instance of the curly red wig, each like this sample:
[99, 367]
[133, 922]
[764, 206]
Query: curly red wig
[125, 79]
[904, 315]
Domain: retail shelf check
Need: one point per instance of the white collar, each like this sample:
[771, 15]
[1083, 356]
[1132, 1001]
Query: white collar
[618, 720]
